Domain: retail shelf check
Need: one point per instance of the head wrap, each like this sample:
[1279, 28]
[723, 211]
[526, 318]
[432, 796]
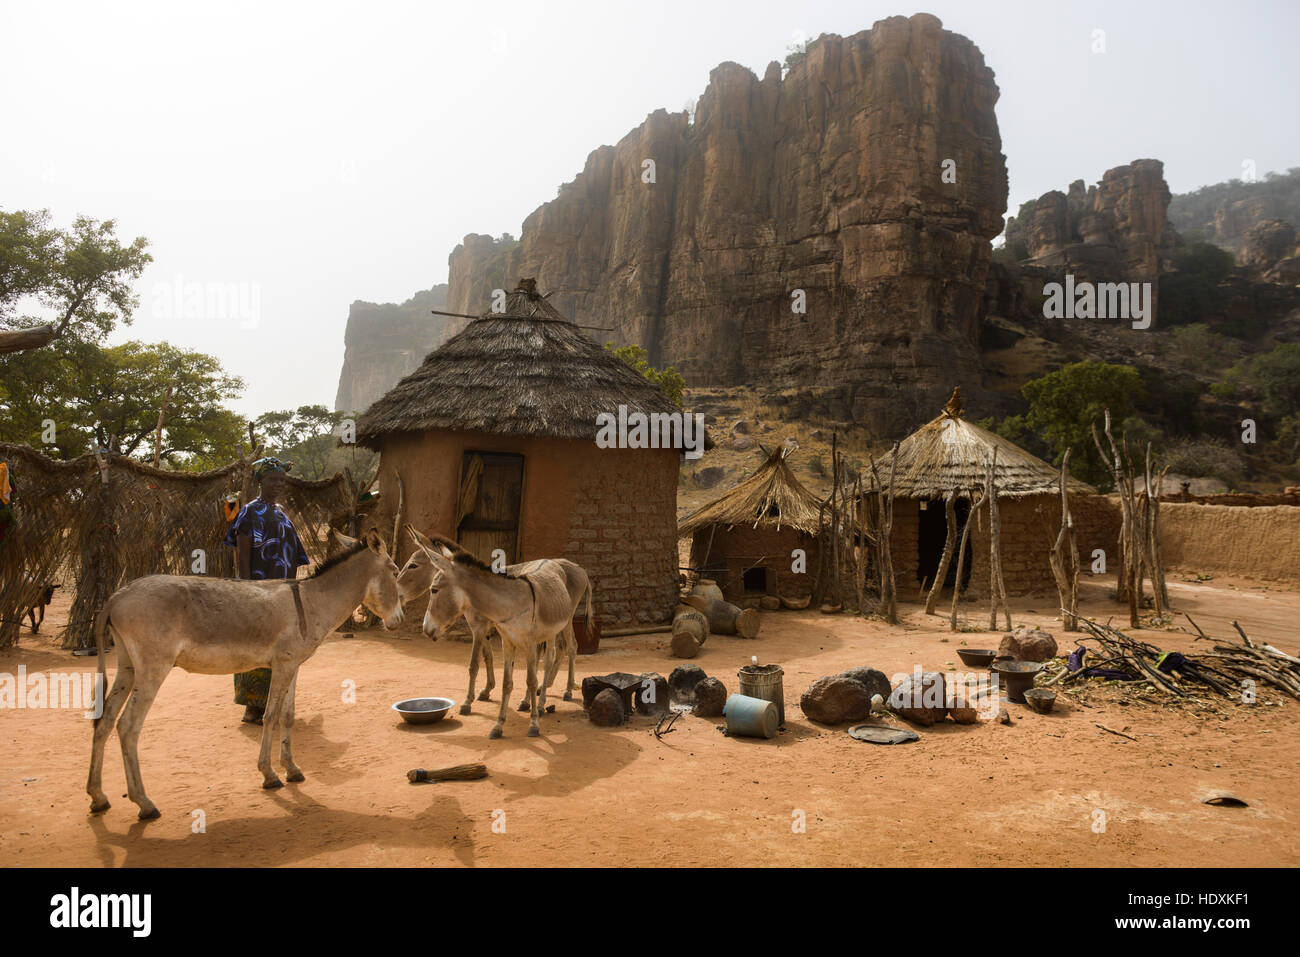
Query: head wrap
[269, 464]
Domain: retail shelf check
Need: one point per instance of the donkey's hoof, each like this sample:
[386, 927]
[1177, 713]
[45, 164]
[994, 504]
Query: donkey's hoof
[295, 776]
[568, 696]
[523, 705]
[150, 814]
[494, 733]
[99, 807]
[534, 732]
[272, 784]
[464, 709]
[485, 694]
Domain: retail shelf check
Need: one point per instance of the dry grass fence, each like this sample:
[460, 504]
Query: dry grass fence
[98, 521]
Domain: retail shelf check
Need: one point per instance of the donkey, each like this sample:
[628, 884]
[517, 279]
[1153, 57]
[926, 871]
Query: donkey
[528, 609]
[217, 626]
[417, 578]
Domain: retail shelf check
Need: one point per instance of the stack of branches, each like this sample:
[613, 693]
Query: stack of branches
[1139, 536]
[1223, 671]
[101, 520]
[1251, 661]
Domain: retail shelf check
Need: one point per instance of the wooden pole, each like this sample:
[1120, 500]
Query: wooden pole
[996, 585]
[961, 555]
[950, 519]
[1065, 570]
[157, 433]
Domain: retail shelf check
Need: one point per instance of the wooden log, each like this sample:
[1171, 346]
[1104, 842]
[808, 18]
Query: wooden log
[690, 631]
[961, 557]
[724, 617]
[20, 339]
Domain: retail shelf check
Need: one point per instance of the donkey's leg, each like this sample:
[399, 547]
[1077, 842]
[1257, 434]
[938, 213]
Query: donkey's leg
[147, 683]
[291, 770]
[533, 696]
[479, 640]
[572, 640]
[486, 649]
[280, 680]
[123, 681]
[507, 685]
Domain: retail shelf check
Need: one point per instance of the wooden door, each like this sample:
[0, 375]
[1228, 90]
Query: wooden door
[493, 522]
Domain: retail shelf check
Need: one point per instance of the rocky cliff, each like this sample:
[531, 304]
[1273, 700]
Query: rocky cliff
[384, 342]
[868, 182]
[1114, 231]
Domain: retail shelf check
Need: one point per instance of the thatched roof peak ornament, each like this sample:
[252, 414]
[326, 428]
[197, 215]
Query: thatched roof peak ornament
[956, 405]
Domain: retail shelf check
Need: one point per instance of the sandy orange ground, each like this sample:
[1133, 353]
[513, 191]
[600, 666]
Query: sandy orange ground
[984, 795]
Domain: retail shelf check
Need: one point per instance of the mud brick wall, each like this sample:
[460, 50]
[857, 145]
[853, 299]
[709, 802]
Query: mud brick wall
[623, 531]
[739, 548]
[1259, 542]
[613, 511]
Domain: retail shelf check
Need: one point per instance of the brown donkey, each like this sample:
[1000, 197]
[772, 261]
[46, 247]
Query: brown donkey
[221, 626]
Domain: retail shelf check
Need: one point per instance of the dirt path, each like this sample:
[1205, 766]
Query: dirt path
[1028, 794]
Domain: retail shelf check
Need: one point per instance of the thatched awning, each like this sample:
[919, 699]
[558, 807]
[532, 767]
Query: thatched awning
[949, 454]
[771, 497]
[527, 371]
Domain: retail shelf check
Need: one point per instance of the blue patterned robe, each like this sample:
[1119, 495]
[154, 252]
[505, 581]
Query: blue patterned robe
[276, 552]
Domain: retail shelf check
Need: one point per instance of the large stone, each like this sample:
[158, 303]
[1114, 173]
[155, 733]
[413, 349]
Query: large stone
[683, 681]
[920, 701]
[653, 696]
[874, 681]
[607, 709]
[1028, 644]
[710, 698]
[836, 699]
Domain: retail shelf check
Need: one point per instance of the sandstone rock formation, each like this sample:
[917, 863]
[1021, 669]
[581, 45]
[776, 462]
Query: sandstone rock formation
[1115, 231]
[1268, 242]
[384, 342]
[830, 181]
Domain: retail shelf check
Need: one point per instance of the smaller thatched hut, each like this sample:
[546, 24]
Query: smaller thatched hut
[949, 456]
[746, 540]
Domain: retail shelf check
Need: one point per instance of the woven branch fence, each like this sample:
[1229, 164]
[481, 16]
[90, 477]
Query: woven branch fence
[97, 522]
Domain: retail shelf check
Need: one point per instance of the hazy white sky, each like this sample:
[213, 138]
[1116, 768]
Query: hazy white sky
[303, 156]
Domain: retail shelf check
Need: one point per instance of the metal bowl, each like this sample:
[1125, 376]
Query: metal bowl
[423, 710]
[977, 657]
[1041, 700]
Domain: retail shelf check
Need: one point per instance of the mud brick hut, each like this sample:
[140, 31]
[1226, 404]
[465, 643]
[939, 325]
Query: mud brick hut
[949, 456]
[493, 438]
[745, 539]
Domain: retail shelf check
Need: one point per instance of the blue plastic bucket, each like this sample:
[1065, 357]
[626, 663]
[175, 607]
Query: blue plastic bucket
[750, 717]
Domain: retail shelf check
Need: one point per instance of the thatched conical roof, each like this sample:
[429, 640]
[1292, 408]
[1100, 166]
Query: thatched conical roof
[771, 497]
[525, 371]
[950, 454]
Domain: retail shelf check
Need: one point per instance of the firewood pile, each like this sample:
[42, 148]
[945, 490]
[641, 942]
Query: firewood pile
[1232, 669]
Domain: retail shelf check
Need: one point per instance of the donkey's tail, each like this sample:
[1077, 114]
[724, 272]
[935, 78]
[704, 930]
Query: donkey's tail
[101, 626]
[591, 621]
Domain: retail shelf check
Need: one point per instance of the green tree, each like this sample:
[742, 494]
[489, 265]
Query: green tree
[308, 436]
[98, 394]
[1190, 293]
[1277, 375]
[668, 379]
[81, 277]
[1064, 405]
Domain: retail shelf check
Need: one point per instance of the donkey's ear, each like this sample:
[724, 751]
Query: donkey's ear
[419, 537]
[343, 540]
[374, 541]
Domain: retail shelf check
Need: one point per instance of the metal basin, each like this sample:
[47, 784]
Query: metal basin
[1041, 700]
[977, 657]
[1018, 676]
[423, 710]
